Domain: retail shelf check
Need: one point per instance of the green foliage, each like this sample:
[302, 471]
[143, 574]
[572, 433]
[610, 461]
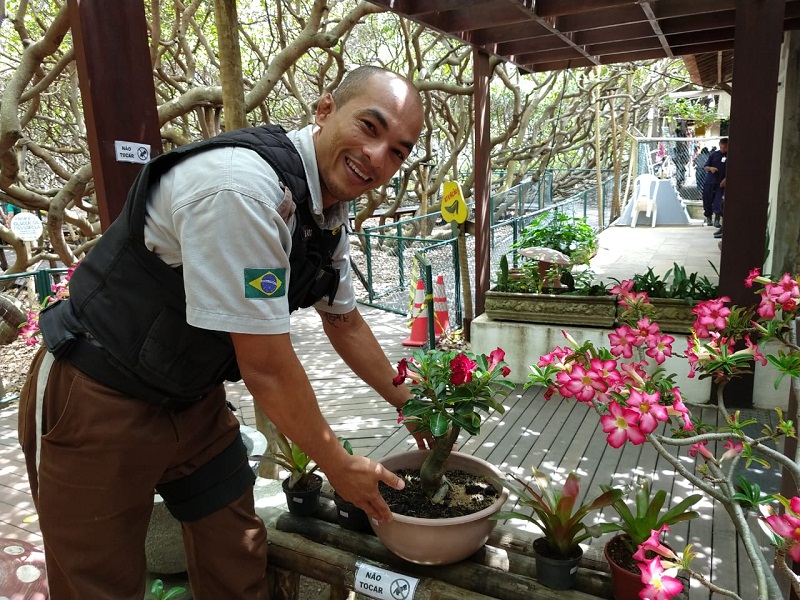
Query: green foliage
[572, 236]
[553, 511]
[440, 401]
[690, 109]
[676, 284]
[288, 456]
[648, 516]
[157, 591]
[749, 495]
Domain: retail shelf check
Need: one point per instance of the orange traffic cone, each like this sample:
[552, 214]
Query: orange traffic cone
[442, 318]
[419, 316]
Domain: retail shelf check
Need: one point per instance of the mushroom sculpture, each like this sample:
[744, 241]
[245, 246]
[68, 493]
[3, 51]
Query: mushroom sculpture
[547, 258]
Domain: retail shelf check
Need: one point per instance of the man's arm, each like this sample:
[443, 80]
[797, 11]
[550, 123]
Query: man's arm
[354, 341]
[276, 378]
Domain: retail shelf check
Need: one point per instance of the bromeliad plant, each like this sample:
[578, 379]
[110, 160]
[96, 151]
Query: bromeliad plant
[450, 391]
[289, 456]
[636, 401]
[554, 512]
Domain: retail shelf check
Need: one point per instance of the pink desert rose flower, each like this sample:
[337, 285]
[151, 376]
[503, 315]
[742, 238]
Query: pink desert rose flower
[788, 527]
[402, 372]
[650, 411]
[700, 448]
[622, 341]
[711, 315]
[654, 543]
[751, 277]
[496, 357]
[753, 349]
[678, 408]
[659, 583]
[580, 383]
[607, 369]
[621, 425]
[659, 347]
[623, 288]
[732, 449]
[555, 358]
[461, 368]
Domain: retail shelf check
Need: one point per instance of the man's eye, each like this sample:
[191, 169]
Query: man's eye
[400, 156]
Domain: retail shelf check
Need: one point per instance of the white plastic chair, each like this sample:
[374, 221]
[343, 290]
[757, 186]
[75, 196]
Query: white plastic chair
[644, 198]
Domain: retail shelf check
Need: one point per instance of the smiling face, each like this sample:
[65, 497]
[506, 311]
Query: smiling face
[361, 144]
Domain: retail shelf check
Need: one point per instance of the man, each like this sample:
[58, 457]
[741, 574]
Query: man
[714, 185]
[192, 285]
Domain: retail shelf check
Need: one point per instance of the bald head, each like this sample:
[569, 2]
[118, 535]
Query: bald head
[356, 82]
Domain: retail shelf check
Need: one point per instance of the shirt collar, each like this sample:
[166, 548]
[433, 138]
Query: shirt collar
[329, 218]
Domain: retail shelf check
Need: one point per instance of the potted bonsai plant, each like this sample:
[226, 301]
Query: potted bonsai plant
[645, 522]
[554, 513]
[451, 390]
[303, 486]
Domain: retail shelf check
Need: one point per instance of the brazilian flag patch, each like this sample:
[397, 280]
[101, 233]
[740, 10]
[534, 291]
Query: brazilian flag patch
[264, 283]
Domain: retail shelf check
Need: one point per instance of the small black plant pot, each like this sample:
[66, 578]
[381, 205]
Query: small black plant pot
[303, 501]
[350, 516]
[555, 573]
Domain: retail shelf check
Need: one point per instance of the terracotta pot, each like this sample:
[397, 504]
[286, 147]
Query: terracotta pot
[625, 584]
[555, 573]
[439, 541]
[303, 502]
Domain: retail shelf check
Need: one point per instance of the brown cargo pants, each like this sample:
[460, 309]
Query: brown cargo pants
[93, 472]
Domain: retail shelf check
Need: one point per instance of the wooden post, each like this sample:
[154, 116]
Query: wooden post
[482, 181]
[119, 99]
[757, 45]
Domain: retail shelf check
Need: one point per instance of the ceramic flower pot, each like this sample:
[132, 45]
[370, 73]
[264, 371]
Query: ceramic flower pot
[439, 541]
[303, 501]
[555, 573]
[349, 516]
[625, 584]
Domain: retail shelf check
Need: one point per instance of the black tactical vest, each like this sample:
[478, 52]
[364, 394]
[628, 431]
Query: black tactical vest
[124, 323]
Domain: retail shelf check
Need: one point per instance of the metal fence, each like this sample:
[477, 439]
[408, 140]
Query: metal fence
[386, 257]
[679, 159]
[389, 260]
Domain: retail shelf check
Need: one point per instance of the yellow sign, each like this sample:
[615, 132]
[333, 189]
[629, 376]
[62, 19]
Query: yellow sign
[453, 206]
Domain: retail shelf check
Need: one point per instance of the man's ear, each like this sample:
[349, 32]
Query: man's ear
[325, 108]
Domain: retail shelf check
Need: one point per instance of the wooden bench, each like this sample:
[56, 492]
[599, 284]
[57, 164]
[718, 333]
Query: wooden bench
[318, 548]
[398, 214]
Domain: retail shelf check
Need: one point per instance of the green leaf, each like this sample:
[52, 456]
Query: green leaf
[439, 424]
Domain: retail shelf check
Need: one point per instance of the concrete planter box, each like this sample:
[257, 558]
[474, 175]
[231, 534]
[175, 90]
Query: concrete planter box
[673, 316]
[555, 309]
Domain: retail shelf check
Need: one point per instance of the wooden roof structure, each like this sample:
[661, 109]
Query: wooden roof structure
[549, 35]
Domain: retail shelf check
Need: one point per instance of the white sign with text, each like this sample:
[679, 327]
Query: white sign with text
[379, 583]
[133, 152]
[27, 226]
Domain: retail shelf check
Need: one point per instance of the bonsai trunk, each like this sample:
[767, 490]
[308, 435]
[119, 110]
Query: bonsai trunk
[431, 472]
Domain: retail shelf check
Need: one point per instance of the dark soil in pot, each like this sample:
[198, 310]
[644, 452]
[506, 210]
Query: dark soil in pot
[542, 548]
[469, 494]
[619, 553]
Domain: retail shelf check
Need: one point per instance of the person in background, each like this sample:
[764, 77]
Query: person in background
[699, 171]
[714, 185]
[193, 285]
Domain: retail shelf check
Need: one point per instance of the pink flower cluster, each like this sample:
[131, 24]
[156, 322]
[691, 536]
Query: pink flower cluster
[30, 330]
[787, 526]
